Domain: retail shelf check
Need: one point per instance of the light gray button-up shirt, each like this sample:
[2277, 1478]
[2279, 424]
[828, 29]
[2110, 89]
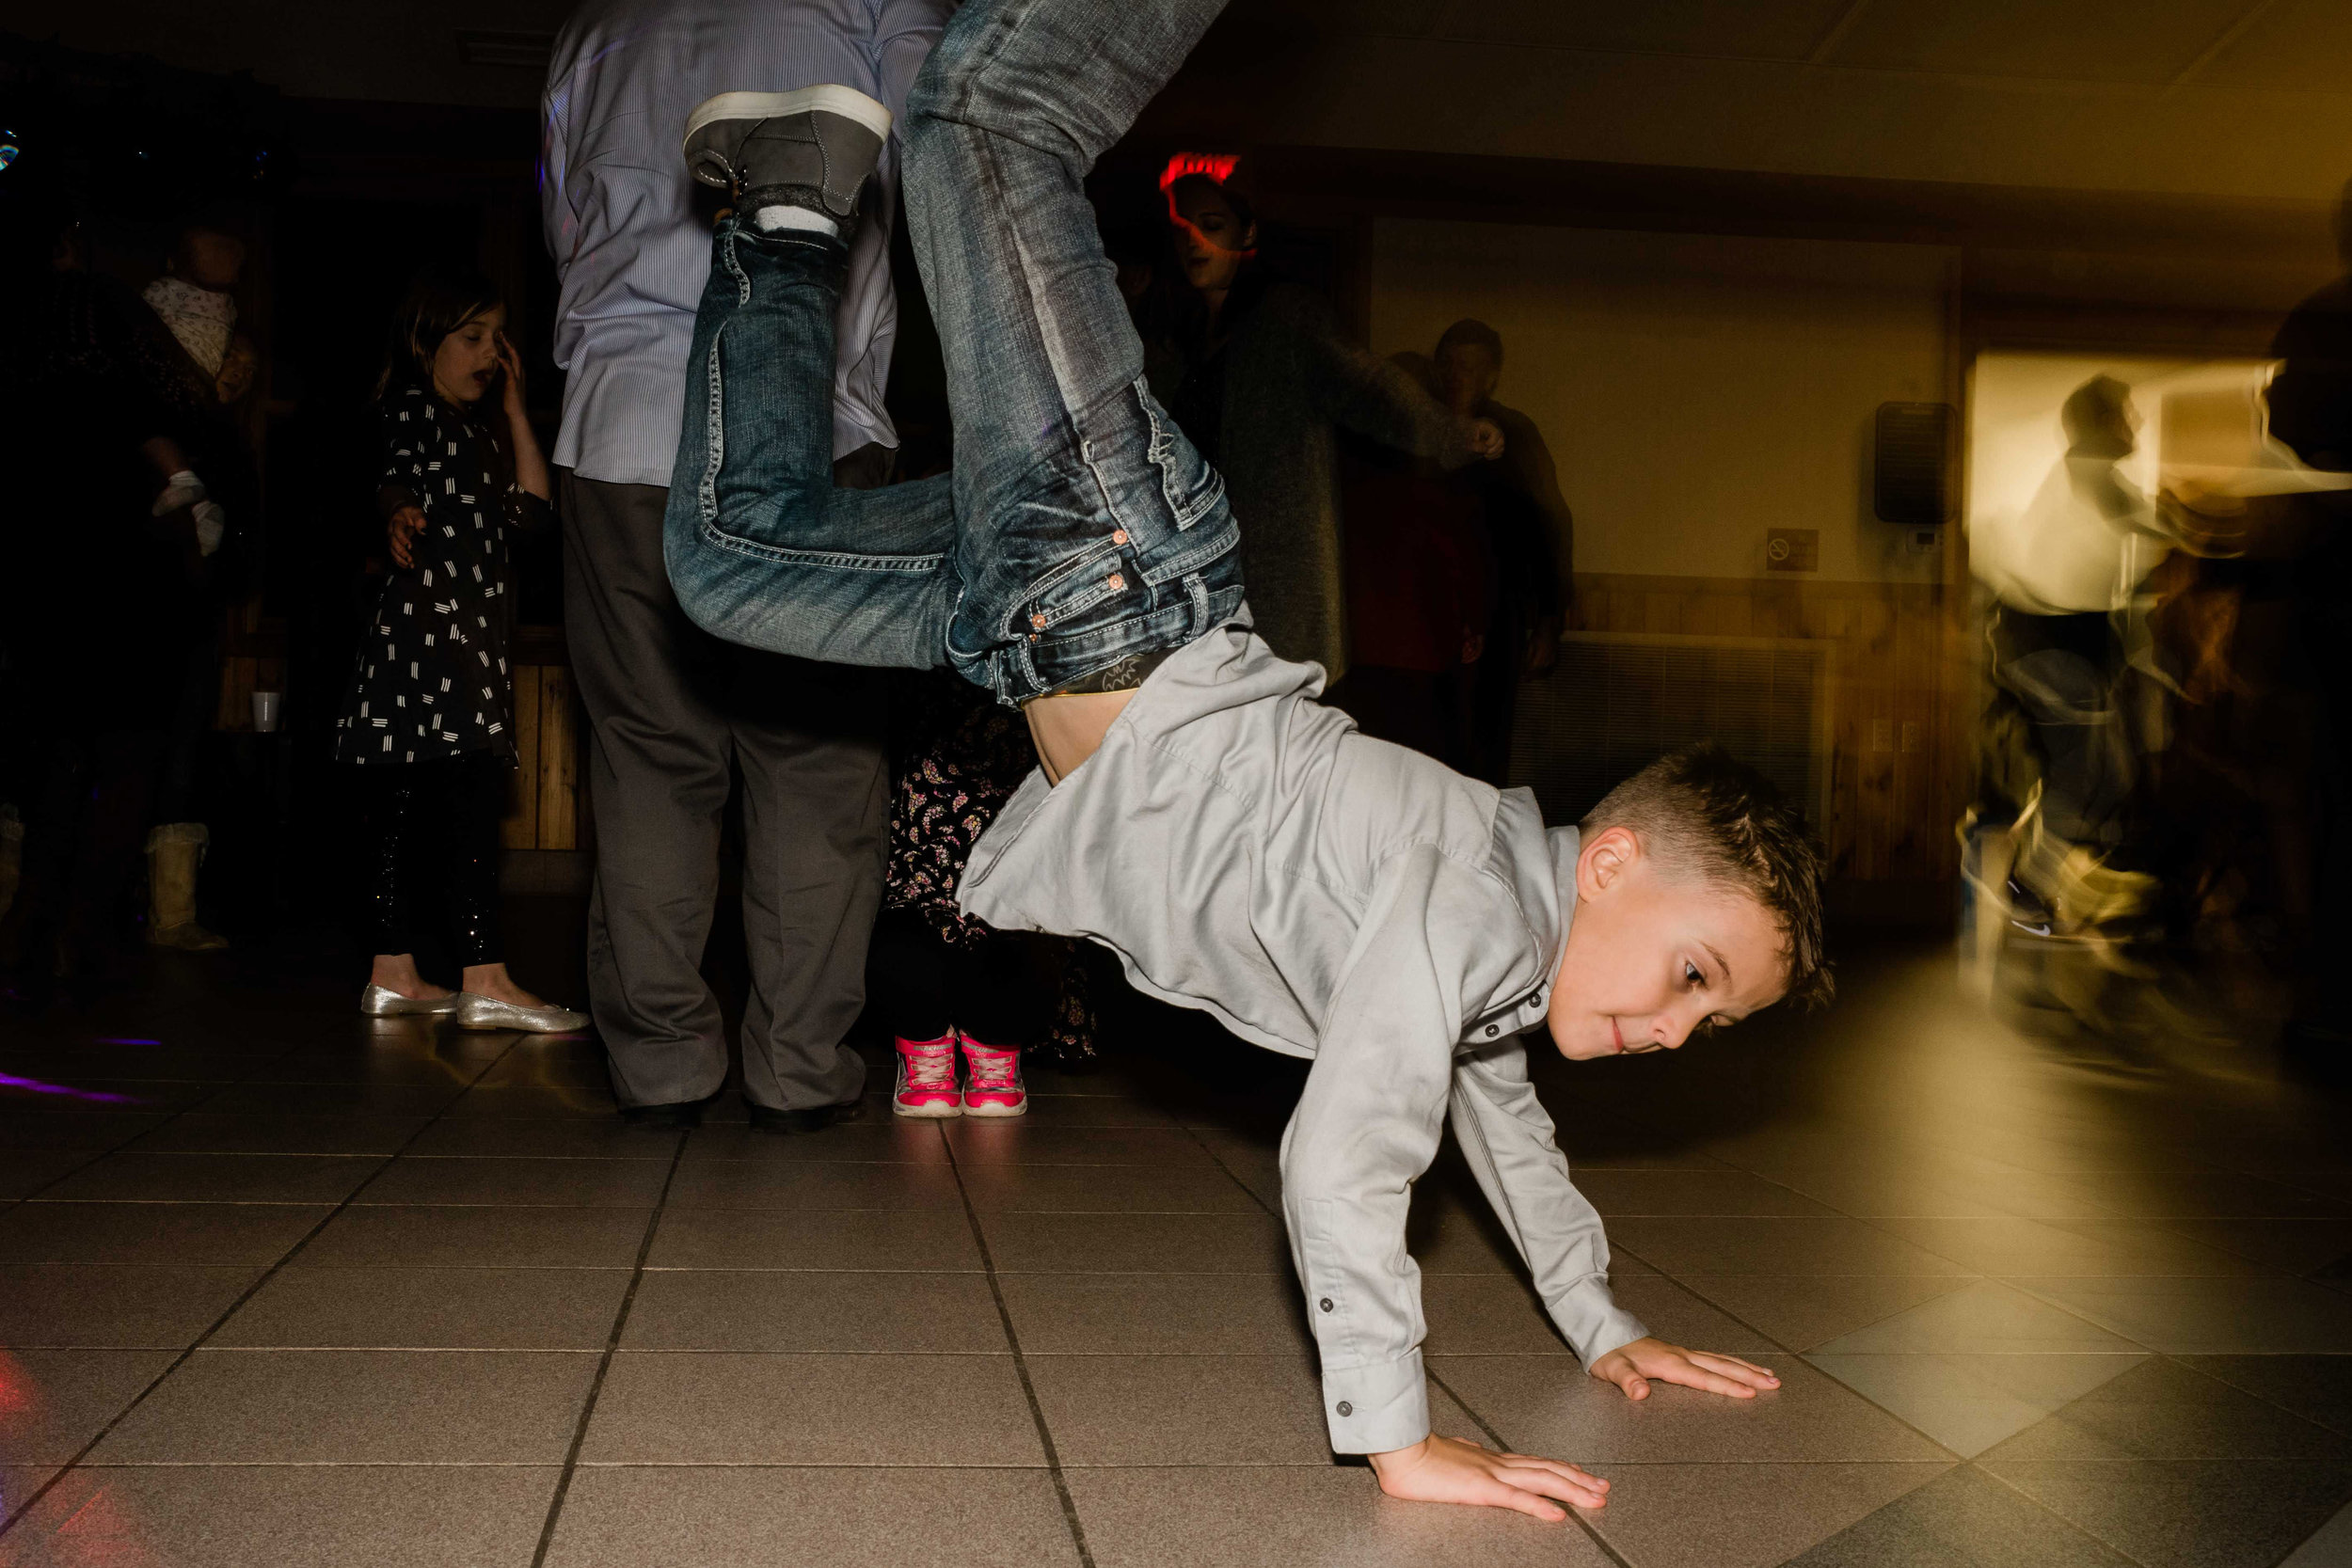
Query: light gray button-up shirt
[1246, 851]
[630, 246]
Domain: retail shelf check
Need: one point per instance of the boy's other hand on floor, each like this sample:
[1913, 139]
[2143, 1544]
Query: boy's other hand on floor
[1448, 1470]
[1634, 1366]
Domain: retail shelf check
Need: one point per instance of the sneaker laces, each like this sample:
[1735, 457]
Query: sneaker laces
[928, 1067]
[993, 1070]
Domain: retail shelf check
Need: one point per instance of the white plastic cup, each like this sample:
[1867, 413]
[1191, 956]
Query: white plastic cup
[266, 706]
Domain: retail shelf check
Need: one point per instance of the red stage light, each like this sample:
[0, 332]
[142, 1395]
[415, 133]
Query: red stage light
[1216, 166]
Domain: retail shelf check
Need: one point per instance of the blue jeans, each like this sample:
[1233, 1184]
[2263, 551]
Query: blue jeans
[1079, 526]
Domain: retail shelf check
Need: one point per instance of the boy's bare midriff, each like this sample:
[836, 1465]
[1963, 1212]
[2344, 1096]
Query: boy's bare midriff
[1068, 727]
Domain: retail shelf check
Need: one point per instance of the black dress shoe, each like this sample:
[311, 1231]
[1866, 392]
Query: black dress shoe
[684, 1113]
[814, 1119]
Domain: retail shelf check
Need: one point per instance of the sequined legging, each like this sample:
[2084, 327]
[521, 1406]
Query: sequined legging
[432, 855]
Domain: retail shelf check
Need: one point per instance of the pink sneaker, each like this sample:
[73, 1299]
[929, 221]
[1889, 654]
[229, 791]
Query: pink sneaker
[926, 1078]
[994, 1087]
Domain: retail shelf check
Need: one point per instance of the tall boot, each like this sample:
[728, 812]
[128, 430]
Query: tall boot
[174, 850]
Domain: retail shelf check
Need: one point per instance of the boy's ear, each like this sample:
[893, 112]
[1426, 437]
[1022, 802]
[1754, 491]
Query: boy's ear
[1604, 859]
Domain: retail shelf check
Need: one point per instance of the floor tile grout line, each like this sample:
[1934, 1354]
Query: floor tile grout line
[1020, 1367]
[24, 1510]
[604, 1363]
[2033, 1502]
[1802, 1356]
[1591, 1531]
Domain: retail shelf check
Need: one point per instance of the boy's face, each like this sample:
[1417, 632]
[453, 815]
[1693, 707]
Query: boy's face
[1652, 957]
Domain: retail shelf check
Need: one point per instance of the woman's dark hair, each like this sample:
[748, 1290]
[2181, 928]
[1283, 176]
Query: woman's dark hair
[1186, 314]
[440, 299]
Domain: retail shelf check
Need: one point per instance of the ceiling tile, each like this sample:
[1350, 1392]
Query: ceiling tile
[2096, 40]
[1743, 30]
[2305, 45]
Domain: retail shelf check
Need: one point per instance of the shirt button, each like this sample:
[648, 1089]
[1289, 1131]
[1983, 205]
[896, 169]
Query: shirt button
[1346, 1409]
[1493, 1029]
[1324, 1304]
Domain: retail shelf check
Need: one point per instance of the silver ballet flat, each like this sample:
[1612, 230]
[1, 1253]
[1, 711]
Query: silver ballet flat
[476, 1011]
[377, 1002]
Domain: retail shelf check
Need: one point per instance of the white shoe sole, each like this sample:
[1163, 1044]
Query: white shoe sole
[997, 1113]
[832, 99]
[926, 1113]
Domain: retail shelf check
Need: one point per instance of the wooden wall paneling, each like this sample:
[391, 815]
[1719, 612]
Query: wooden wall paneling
[519, 829]
[559, 760]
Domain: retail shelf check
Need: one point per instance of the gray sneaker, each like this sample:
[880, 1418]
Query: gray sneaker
[809, 148]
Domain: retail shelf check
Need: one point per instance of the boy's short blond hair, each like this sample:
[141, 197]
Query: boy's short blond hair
[1703, 812]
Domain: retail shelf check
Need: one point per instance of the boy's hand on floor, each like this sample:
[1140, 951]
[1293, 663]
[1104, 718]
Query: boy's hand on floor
[1634, 1366]
[1448, 1470]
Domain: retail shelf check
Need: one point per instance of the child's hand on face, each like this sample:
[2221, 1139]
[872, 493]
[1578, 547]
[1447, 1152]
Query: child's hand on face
[1448, 1470]
[1634, 1366]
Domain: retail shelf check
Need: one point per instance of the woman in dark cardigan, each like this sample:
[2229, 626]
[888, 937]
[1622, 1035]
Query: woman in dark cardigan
[1260, 378]
[429, 719]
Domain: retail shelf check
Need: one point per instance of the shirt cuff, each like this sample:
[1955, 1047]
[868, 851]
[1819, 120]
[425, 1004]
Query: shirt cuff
[1376, 1408]
[1593, 1322]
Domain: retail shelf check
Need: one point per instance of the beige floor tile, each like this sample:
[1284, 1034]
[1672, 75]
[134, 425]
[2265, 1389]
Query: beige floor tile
[1802, 1311]
[480, 1236]
[1962, 1517]
[1541, 1406]
[211, 1234]
[305, 1306]
[546, 1137]
[1106, 1189]
[690, 1408]
[1171, 1314]
[26, 1171]
[136, 1176]
[2208, 1316]
[357, 1407]
[1970, 1401]
[1746, 1515]
[884, 1139]
[2287, 1245]
[981, 1144]
[55, 1400]
[1137, 1243]
[204, 1132]
[120, 1306]
[1775, 1245]
[808, 1185]
[2161, 1409]
[1618, 1192]
[918, 1240]
[1128, 1410]
[560, 1183]
[676, 1516]
[1288, 1517]
[288, 1516]
[2190, 1514]
[1982, 1316]
[26, 1131]
[814, 1310]
[1501, 1315]
[2023, 1246]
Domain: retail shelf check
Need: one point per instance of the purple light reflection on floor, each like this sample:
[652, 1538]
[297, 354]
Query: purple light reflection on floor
[34, 1086]
[124, 1039]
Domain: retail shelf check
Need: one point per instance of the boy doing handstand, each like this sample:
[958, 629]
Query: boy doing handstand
[1242, 849]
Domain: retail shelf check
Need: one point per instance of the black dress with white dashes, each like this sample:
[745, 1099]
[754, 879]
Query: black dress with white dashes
[432, 678]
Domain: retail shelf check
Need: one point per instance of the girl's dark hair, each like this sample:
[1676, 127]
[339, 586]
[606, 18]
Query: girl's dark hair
[440, 299]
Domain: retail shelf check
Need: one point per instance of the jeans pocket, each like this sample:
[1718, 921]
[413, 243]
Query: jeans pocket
[1191, 484]
[1092, 577]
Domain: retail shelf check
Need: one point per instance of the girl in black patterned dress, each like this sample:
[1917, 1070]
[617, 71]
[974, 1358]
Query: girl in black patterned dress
[944, 985]
[429, 719]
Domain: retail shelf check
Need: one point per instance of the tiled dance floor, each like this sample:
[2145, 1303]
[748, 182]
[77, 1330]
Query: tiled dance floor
[312, 1290]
